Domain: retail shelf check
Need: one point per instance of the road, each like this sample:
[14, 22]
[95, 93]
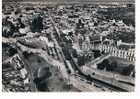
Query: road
[72, 79]
[98, 60]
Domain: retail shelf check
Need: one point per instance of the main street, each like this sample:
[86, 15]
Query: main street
[76, 82]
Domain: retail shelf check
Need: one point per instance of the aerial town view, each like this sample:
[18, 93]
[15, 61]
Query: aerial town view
[68, 46]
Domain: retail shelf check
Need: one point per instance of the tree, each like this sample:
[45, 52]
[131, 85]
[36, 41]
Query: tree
[100, 66]
[131, 66]
[133, 75]
[81, 60]
[69, 71]
[113, 65]
[26, 54]
[74, 53]
[104, 64]
[89, 77]
[96, 53]
[12, 51]
[127, 70]
[108, 67]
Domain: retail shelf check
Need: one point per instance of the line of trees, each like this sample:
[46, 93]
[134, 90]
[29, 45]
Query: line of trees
[105, 64]
[112, 66]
